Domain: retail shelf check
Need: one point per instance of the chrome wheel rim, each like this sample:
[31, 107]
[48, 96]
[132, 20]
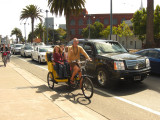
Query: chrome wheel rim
[101, 77]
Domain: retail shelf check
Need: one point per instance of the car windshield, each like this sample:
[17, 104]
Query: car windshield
[18, 45]
[45, 49]
[28, 48]
[109, 47]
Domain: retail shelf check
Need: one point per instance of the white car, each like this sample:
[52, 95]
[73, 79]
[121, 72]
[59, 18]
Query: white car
[39, 53]
[26, 50]
[17, 48]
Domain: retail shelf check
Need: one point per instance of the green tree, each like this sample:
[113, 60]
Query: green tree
[62, 34]
[124, 30]
[66, 7]
[149, 29]
[139, 21]
[39, 31]
[30, 36]
[17, 32]
[157, 25]
[106, 32]
[95, 30]
[32, 12]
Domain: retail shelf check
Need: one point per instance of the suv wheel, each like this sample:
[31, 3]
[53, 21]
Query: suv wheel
[39, 60]
[32, 58]
[102, 77]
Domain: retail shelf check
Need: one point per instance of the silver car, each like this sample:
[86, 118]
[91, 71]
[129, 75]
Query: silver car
[26, 50]
[17, 48]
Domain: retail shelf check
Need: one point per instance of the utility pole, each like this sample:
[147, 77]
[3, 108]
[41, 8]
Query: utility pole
[110, 19]
[47, 24]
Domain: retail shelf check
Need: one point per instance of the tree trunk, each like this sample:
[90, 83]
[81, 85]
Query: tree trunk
[16, 39]
[32, 36]
[150, 22]
[67, 27]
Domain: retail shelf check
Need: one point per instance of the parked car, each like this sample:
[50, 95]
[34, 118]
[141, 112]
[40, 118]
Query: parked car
[39, 53]
[154, 56]
[111, 62]
[26, 50]
[17, 48]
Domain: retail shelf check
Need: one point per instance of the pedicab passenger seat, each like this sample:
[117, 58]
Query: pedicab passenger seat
[49, 61]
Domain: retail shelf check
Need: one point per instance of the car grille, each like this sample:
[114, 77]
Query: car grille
[136, 64]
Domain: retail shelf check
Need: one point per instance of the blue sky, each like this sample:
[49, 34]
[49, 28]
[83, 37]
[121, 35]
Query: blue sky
[10, 11]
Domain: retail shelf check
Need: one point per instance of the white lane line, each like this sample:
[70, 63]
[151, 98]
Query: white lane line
[34, 64]
[119, 98]
[130, 102]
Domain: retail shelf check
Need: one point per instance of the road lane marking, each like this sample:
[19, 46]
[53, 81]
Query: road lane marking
[116, 97]
[34, 64]
[130, 102]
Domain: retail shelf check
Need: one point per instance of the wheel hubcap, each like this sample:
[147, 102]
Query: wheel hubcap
[101, 77]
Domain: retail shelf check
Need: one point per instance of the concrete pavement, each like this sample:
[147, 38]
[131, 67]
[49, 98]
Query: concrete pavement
[24, 96]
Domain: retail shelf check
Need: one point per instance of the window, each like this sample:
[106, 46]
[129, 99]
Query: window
[88, 48]
[153, 54]
[123, 19]
[72, 31]
[72, 22]
[80, 22]
[122, 42]
[144, 53]
[97, 20]
[89, 21]
[115, 21]
[106, 21]
[131, 42]
[80, 31]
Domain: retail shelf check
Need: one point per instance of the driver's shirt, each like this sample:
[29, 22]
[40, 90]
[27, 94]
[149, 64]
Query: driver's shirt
[74, 53]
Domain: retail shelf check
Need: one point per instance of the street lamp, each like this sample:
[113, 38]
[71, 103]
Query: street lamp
[46, 22]
[110, 19]
[25, 31]
[89, 15]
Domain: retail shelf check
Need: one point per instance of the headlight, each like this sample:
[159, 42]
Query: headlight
[119, 65]
[147, 63]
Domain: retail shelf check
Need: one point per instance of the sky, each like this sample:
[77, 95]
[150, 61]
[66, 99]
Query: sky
[10, 11]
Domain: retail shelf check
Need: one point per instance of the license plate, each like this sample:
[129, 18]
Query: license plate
[137, 77]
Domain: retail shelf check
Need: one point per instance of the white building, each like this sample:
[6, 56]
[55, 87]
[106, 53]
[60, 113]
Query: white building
[50, 22]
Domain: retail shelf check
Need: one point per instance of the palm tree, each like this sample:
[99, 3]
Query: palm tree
[67, 7]
[39, 30]
[17, 32]
[150, 23]
[33, 12]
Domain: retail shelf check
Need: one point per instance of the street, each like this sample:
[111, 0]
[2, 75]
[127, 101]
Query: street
[138, 101]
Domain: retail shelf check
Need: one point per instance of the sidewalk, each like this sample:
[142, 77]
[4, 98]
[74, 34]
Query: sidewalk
[23, 96]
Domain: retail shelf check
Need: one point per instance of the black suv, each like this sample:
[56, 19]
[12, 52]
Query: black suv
[111, 62]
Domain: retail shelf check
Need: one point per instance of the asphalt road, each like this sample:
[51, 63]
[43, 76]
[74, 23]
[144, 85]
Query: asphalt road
[138, 101]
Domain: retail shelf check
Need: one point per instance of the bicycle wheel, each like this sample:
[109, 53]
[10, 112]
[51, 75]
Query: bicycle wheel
[87, 87]
[50, 80]
[4, 61]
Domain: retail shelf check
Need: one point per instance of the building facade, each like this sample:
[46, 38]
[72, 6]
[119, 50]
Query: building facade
[77, 23]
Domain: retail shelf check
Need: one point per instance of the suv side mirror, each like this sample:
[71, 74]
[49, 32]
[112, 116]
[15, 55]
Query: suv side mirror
[89, 52]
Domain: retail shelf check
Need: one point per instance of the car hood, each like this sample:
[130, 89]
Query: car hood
[123, 56]
[17, 48]
[42, 53]
[28, 50]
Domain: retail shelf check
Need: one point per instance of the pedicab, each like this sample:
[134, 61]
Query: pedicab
[53, 78]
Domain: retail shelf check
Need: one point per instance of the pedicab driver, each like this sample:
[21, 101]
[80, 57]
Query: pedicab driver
[74, 55]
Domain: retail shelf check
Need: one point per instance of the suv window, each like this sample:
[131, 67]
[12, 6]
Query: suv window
[153, 54]
[88, 47]
[109, 47]
[144, 53]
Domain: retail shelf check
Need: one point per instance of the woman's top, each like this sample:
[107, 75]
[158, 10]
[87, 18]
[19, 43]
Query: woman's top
[58, 58]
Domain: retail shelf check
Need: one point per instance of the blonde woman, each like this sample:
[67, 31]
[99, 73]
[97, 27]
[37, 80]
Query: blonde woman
[59, 62]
